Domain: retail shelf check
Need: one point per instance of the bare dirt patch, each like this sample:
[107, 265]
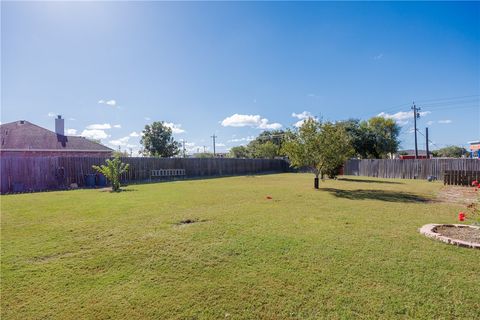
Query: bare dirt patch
[457, 194]
[188, 221]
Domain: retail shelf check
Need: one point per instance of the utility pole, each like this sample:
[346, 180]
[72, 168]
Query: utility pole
[426, 143]
[184, 147]
[213, 137]
[416, 115]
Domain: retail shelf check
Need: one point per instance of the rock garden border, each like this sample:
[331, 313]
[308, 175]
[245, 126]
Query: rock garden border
[429, 230]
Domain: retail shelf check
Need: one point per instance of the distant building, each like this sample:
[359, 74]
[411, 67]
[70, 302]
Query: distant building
[23, 138]
[474, 148]
[410, 154]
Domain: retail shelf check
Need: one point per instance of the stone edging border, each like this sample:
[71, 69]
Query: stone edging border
[429, 231]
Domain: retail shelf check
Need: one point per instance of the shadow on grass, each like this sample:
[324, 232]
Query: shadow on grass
[382, 195]
[369, 181]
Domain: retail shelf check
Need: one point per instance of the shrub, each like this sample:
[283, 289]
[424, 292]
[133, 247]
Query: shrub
[113, 170]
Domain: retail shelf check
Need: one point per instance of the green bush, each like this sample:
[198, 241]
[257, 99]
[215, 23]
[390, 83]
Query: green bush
[113, 170]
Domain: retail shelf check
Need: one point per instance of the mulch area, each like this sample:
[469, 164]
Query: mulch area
[459, 233]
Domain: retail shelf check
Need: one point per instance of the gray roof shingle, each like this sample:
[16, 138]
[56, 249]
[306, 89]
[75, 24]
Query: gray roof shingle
[24, 135]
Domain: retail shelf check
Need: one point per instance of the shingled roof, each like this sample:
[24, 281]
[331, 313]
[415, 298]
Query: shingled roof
[26, 136]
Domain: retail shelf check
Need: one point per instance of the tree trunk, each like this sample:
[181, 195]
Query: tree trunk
[315, 183]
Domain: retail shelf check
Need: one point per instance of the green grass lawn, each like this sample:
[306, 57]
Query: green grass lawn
[350, 250]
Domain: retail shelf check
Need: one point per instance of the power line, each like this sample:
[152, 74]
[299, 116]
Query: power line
[422, 102]
[450, 98]
[454, 107]
[429, 139]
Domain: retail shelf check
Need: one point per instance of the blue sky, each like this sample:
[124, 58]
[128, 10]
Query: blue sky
[235, 69]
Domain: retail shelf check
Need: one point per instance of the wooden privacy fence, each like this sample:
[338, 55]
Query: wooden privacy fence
[460, 178]
[23, 174]
[409, 169]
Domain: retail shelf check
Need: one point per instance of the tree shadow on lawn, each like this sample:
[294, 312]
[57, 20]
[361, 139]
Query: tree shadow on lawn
[382, 195]
[369, 181]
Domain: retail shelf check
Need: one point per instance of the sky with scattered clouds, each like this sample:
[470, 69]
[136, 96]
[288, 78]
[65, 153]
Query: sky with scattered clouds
[235, 69]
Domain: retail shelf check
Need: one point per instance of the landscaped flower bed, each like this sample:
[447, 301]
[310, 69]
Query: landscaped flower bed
[458, 234]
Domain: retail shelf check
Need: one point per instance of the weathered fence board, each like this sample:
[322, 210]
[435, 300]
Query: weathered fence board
[409, 169]
[21, 174]
[460, 178]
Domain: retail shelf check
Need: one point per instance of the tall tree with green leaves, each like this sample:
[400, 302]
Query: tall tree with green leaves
[267, 145]
[450, 152]
[385, 132]
[157, 141]
[320, 146]
[113, 170]
[239, 152]
[374, 138]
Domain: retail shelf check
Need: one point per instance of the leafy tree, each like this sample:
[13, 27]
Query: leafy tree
[375, 138]
[267, 150]
[321, 146]
[120, 153]
[450, 152]
[267, 145]
[385, 132]
[239, 152]
[157, 141]
[113, 170]
[361, 139]
[204, 155]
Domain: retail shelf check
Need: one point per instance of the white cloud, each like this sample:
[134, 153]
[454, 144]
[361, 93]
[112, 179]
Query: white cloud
[378, 56]
[176, 128]
[299, 123]
[96, 134]
[444, 121]
[246, 139]
[302, 116]
[429, 123]
[111, 103]
[99, 126]
[117, 126]
[134, 134]
[220, 144]
[121, 142]
[402, 117]
[71, 132]
[147, 118]
[52, 114]
[246, 120]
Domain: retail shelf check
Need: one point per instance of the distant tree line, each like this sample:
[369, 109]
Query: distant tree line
[450, 152]
[370, 139]
[375, 138]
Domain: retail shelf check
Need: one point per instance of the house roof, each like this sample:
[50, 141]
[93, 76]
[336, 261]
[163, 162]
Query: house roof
[26, 136]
